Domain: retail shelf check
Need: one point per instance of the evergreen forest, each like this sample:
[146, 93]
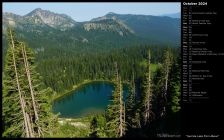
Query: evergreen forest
[37, 71]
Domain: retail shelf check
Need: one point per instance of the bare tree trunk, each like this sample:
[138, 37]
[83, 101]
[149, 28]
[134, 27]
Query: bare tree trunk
[29, 126]
[30, 85]
[165, 92]
[124, 112]
[124, 117]
[22, 102]
[166, 81]
[121, 111]
[121, 117]
[133, 84]
[25, 118]
[167, 63]
[138, 121]
[148, 94]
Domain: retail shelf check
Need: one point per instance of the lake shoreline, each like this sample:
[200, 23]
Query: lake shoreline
[78, 86]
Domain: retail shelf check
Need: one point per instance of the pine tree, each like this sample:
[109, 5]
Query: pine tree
[131, 106]
[175, 87]
[93, 127]
[26, 106]
[167, 64]
[14, 115]
[147, 94]
[116, 110]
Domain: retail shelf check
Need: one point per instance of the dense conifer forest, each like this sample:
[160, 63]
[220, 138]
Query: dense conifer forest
[154, 70]
[42, 64]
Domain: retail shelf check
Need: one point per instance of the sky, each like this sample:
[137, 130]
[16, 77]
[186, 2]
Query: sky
[86, 11]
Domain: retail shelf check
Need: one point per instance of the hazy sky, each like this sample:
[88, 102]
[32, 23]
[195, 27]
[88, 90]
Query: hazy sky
[87, 11]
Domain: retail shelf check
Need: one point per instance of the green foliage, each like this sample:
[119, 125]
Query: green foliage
[97, 126]
[18, 100]
[131, 101]
[162, 30]
[115, 126]
[69, 131]
[153, 68]
[162, 82]
[147, 93]
[132, 108]
[11, 98]
[62, 67]
[113, 115]
[62, 71]
[175, 87]
[93, 127]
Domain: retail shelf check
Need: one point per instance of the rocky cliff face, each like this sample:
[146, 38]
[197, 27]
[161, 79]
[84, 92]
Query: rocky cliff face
[54, 20]
[113, 25]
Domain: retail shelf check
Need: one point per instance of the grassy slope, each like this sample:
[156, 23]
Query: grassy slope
[73, 128]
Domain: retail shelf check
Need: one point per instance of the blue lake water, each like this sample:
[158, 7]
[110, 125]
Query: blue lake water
[90, 99]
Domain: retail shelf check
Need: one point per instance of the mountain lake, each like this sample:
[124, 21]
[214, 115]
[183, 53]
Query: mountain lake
[87, 100]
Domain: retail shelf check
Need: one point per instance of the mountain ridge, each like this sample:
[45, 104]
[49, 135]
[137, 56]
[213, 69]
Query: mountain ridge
[173, 15]
[112, 28]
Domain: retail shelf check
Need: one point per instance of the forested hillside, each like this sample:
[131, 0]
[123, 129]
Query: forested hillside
[44, 29]
[46, 54]
[69, 52]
